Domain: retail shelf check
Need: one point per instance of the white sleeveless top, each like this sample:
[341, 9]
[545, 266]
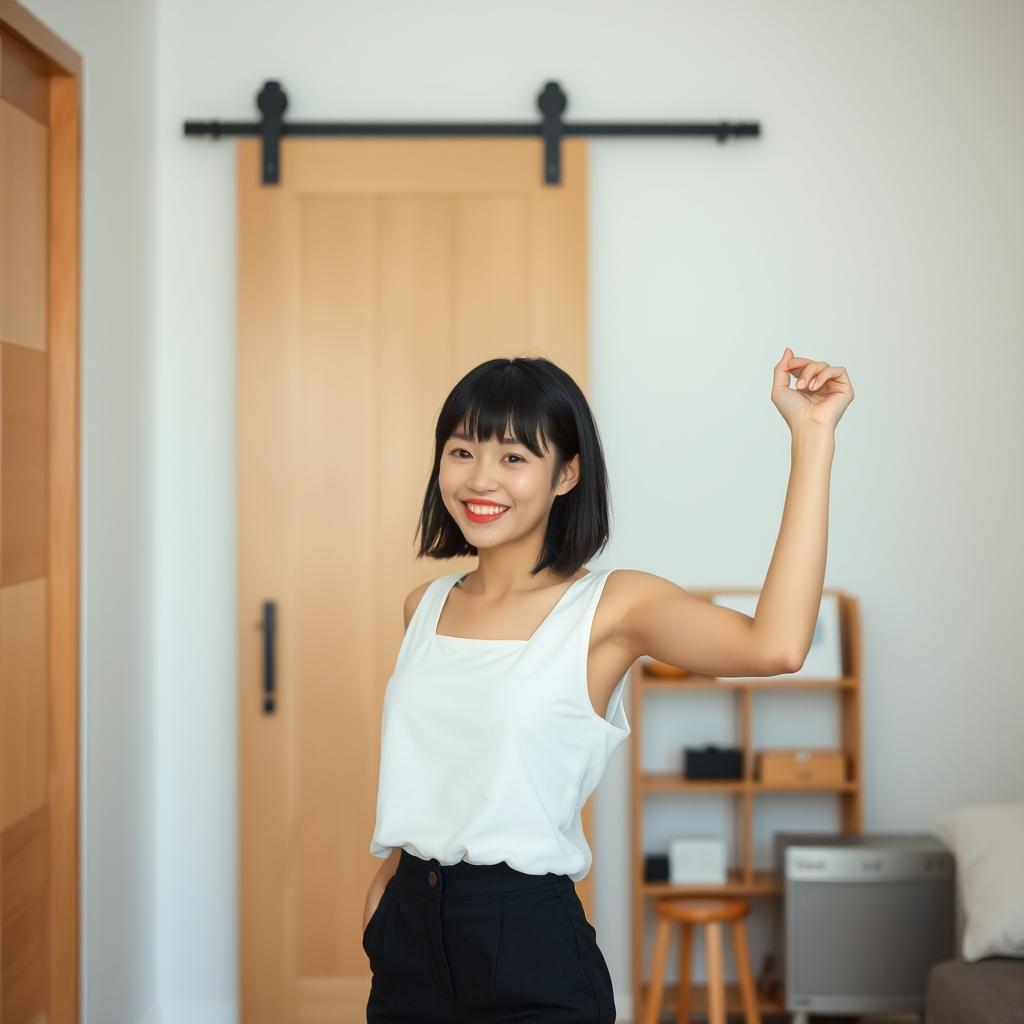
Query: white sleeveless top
[490, 748]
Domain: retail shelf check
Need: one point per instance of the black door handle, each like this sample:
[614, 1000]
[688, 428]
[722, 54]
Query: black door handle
[269, 627]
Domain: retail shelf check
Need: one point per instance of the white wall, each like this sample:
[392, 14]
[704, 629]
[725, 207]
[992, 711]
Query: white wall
[877, 224]
[117, 42]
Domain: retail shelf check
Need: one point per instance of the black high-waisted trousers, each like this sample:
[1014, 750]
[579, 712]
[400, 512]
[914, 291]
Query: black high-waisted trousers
[482, 944]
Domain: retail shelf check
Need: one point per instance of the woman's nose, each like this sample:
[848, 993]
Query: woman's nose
[481, 479]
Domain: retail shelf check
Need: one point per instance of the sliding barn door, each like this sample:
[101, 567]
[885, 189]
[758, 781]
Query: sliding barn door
[370, 279]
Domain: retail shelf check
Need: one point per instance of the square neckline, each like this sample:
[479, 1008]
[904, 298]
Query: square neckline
[457, 578]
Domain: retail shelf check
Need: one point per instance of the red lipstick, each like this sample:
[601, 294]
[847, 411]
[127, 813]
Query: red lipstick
[489, 517]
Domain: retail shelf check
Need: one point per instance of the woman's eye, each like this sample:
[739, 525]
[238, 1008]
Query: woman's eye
[459, 451]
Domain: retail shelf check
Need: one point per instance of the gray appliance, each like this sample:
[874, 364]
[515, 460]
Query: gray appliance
[865, 916]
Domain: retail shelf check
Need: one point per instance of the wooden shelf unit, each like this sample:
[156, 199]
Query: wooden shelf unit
[743, 879]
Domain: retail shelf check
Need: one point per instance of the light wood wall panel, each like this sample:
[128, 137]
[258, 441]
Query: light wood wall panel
[23, 227]
[39, 522]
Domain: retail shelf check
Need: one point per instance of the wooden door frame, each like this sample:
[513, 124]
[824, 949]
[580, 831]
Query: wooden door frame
[64, 67]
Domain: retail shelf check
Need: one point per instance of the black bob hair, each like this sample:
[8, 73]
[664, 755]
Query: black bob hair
[526, 398]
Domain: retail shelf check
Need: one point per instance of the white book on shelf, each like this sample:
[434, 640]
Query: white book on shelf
[697, 860]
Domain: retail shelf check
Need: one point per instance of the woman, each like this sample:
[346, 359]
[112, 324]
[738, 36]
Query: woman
[506, 700]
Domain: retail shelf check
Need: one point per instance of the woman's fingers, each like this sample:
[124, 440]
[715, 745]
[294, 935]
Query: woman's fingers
[819, 378]
[808, 373]
[833, 373]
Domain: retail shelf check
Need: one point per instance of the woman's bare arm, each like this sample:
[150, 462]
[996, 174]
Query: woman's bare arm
[665, 622]
[787, 609]
[388, 867]
[668, 623]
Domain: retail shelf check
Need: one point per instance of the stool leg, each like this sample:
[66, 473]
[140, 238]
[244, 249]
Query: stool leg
[716, 973]
[685, 958]
[656, 989]
[746, 979]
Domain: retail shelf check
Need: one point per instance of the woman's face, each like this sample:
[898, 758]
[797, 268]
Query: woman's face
[475, 476]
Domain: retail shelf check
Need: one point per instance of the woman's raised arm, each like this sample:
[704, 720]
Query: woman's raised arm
[665, 622]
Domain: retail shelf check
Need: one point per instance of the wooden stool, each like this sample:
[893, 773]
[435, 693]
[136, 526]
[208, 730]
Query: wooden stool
[712, 913]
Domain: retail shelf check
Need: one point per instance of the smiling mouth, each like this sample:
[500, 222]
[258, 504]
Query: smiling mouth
[484, 513]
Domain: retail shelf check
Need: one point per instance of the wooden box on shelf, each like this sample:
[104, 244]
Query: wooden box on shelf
[743, 879]
[817, 767]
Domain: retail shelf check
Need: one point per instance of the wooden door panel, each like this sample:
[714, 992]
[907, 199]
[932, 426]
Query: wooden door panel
[369, 280]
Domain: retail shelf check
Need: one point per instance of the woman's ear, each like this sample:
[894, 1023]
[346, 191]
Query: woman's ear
[570, 475]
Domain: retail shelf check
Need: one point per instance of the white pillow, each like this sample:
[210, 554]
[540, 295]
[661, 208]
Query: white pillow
[987, 841]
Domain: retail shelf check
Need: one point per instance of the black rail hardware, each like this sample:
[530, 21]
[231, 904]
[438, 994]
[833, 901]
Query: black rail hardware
[552, 102]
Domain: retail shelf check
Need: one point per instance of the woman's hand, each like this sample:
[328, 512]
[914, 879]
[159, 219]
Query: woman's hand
[820, 397]
[371, 907]
[377, 888]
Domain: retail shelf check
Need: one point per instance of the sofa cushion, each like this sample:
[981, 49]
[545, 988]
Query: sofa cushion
[987, 842]
[990, 991]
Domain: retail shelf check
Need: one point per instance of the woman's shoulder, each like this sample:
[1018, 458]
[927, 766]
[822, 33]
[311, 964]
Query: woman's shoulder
[413, 598]
[636, 582]
[412, 601]
[629, 594]
[638, 592]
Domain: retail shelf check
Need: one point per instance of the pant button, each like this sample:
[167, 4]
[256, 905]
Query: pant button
[432, 877]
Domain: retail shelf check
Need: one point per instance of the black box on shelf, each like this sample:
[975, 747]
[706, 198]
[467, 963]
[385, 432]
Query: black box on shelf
[712, 762]
[656, 867]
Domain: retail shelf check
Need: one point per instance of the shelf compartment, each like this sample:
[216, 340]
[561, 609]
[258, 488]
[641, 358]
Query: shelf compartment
[765, 883]
[697, 682]
[667, 782]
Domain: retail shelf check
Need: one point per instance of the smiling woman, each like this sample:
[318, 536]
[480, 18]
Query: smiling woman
[491, 738]
[490, 742]
[516, 433]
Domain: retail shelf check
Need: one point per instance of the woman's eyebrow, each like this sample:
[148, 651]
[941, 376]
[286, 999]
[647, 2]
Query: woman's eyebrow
[467, 437]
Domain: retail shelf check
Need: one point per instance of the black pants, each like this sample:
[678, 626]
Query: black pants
[483, 943]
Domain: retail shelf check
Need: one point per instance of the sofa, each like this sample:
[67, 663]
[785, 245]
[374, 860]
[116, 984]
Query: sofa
[984, 984]
[988, 991]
